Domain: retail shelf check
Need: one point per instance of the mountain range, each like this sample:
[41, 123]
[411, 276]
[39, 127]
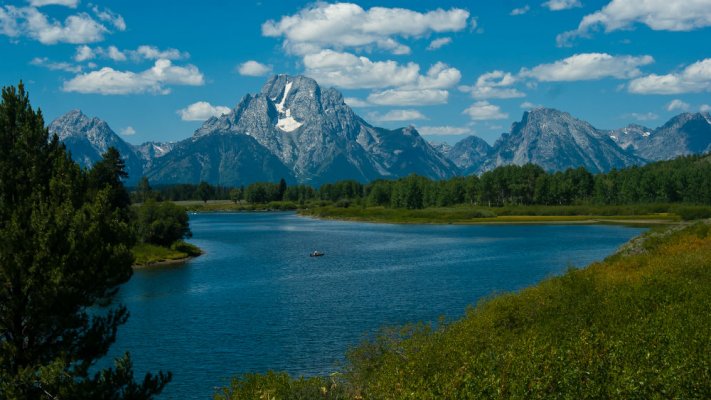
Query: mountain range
[294, 129]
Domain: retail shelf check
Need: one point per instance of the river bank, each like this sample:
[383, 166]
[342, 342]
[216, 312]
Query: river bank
[149, 255]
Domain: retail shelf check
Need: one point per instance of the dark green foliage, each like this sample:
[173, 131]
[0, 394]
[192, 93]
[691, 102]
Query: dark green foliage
[144, 192]
[204, 191]
[161, 223]
[64, 250]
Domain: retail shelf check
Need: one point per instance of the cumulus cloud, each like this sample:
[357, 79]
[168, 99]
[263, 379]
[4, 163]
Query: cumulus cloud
[558, 5]
[109, 16]
[521, 10]
[494, 85]
[141, 53]
[444, 130]
[154, 80]
[66, 3]
[55, 66]
[659, 15]
[397, 115]
[589, 66]
[147, 52]
[201, 110]
[438, 43]
[80, 28]
[128, 131]
[402, 97]
[484, 111]
[349, 71]
[678, 105]
[705, 108]
[115, 54]
[347, 25]
[84, 53]
[356, 103]
[694, 78]
[254, 68]
[527, 105]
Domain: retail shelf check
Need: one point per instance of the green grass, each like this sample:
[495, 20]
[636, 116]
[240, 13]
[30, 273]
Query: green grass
[634, 326]
[146, 254]
[518, 214]
[228, 205]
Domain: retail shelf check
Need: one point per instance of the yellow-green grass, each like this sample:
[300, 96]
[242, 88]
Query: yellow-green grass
[475, 215]
[147, 254]
[634, 326]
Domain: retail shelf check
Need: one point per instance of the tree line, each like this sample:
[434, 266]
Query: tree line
[686, 179]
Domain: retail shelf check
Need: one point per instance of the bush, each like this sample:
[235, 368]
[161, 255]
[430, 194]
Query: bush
[161, 223]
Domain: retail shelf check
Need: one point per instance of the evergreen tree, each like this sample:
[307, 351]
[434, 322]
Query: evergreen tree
[64, 250]
[204, 191]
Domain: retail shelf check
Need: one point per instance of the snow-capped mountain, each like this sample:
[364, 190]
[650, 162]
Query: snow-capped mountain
[294, 129]
[314, 133]
[88, 138]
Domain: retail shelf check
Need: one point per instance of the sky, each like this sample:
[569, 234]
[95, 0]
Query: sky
[154, 70]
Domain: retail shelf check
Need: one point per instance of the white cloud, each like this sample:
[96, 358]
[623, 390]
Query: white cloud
[84, 53]
[589, 66]
[438, 43]
[659, 15]
[128, 131]
[677, 105]
[66, 3]
[355, 102]
[494, 85]
[521, 10]
[201, 110]
[558, 5]
[398, 97]
[254, 68]
[115, 54]
[484, 111]
[109, 16]
[397, 115]
[349, 71]
[444, 130]
[347, 25]
[527, 105]
[705, 108]
[141, 53]
[650, 116]
[147, 52]
[154, 80]
[29, 21]
[55, 66]
[694, 78]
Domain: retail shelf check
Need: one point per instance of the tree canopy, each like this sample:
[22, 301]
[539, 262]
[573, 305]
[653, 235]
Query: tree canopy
[64, 250]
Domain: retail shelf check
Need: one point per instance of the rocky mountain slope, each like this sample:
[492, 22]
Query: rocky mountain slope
[88, 138]
[296, 130]
[556, 140]
[314, 133]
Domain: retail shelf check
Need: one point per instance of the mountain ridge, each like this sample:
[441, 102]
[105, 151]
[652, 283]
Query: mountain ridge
[296, 130]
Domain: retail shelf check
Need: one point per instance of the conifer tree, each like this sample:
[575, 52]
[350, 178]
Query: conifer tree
[64, 251]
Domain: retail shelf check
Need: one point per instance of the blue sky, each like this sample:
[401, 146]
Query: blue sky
[154, 69]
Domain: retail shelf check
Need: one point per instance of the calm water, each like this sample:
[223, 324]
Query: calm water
[257, 301]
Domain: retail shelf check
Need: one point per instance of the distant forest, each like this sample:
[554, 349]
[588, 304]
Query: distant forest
[685, 179]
